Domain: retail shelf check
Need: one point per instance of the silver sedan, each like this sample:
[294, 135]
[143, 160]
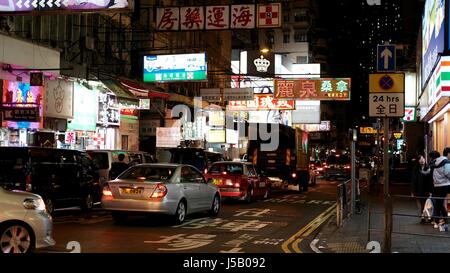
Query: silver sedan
[24, 223]
[170, 189]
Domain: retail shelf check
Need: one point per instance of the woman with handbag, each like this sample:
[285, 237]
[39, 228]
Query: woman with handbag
[421, 184]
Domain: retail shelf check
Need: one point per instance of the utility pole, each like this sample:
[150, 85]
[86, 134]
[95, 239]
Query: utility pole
[387, 198]
[353, 166]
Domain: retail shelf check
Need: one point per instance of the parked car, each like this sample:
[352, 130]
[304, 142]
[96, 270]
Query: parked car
[197, 157]
[238, 180]
[104, 160]
[64, 178]
[317, 168]
[24, 223]
[337, 166]
[173, 189]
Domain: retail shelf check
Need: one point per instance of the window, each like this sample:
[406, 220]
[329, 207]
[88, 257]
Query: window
[300, 36]
[150, 173]
[227, 168]
[286, 38]
[196, 176]
[302, 59]
[124, 142]
[300, 15]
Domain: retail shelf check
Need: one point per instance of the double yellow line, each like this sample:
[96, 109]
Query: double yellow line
[296, 239]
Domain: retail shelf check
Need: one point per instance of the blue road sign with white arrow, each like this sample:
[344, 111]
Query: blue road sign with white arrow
[386, 58]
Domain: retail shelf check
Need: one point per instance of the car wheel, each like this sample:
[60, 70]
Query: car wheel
[49, 205]
[16, 238]
[119, 218]
[249, 196]
[88, 203]
[215, 207]
[180, 214]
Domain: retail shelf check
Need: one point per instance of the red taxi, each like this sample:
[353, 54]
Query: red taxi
[238, 180]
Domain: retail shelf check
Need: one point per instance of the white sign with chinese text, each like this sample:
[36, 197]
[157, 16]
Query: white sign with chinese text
[167, 18]
[242, 16]
[386, 105]
[192, 18]
[237, 94]
[217, 17]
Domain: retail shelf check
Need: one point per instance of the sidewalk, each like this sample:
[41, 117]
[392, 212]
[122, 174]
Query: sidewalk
[353, 236]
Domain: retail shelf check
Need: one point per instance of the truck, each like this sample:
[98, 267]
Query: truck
[287, 167]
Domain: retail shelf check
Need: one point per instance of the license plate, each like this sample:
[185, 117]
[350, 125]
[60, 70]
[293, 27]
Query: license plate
[262, 184]
[217, 181]
[132, 191]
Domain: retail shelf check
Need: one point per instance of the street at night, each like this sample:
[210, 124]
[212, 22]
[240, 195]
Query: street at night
[223, 135]
[265, 226]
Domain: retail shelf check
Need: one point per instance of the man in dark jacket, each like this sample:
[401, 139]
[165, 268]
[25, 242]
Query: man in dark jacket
[118, 167]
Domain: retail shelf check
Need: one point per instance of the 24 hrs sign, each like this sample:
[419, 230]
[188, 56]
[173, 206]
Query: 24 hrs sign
[386, 105]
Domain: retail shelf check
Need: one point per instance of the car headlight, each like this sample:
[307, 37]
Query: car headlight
[33, 203]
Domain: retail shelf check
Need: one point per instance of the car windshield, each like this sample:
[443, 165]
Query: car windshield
[227, 168]
[100, 159]
[149, 172]
[338, 159]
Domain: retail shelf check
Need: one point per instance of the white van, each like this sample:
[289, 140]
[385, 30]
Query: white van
[103, 159]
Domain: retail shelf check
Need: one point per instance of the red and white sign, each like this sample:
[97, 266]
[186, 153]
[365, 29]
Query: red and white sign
[99, 139]
[262, 102]
[192, 18]
[269, 15]
[217, 17]
[242, 16]
[167, 19]
[70, 138]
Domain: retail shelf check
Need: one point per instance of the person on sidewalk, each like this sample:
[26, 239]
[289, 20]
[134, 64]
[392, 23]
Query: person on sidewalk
[441, 181]
[433, 156]
[421, 184]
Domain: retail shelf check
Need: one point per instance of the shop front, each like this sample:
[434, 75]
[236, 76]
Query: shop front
[435, 106]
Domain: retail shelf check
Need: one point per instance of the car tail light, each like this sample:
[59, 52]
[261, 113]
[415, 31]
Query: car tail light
[320, 169]
[160, 191]
[107, 191]
[205, 171]
[237, 185]
[347, 167]
[28, 184]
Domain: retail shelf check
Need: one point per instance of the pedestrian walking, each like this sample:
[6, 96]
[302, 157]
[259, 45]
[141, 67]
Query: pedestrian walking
[421, 184]
[441, 182]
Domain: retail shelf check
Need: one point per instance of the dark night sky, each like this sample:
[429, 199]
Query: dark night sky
[354, 29]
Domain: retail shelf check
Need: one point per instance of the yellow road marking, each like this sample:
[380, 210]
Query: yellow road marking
[307, 230]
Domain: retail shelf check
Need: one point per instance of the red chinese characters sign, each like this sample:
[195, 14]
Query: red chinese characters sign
[242, 16]
[192, 18]
[167, 18]
[313, 89]
[217, 17]
[262, 102]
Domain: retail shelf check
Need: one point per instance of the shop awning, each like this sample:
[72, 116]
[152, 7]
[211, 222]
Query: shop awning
[118, 90]
[142, 91]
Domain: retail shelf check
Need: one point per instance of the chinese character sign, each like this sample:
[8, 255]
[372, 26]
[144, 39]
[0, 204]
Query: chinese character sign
[167, 18]
[262, 102]
[217, 17]
[242, 16]
[313, 89]
[192, 18]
